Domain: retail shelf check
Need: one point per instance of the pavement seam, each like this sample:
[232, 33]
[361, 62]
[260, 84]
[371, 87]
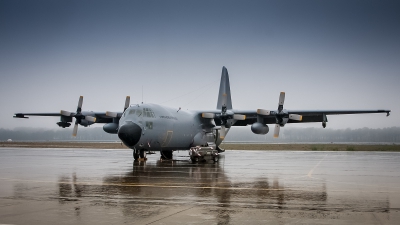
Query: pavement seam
[170, 215]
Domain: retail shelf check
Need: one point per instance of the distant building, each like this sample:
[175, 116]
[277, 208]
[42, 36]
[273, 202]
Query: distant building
[9, 140]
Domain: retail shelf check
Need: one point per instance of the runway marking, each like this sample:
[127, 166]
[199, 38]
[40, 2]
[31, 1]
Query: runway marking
[312, 170]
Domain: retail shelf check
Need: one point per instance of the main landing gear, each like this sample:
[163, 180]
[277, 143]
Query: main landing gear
[139, 154]
[166, 155]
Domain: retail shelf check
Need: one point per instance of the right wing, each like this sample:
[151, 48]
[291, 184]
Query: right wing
[84, 118]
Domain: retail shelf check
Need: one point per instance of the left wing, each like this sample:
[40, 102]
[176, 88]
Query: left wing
[260, 118]
[307, 116]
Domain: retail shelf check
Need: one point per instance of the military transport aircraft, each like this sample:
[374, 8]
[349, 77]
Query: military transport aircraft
[149, 127]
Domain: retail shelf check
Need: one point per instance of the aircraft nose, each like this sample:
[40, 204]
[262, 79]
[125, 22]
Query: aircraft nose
[129, 133]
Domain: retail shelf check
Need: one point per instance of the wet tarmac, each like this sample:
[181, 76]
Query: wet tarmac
[87, 186]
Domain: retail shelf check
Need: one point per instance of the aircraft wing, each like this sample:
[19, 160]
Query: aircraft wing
[83, 118]
[101, 117]
[307, 115]
[24, 115]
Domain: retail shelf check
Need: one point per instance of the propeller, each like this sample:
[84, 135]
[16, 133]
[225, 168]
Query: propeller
[115, 114]
[224, 116]
[78, 116]
[282, 116]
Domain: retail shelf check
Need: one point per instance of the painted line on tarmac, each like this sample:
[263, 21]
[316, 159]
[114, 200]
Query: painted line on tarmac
[150, 185]
[312, 170]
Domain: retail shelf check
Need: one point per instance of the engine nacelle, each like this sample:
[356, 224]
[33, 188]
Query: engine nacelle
[111, 128]
[86, 123]
[259, 128]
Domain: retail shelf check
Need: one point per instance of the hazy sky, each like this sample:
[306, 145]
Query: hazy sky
[323, 54]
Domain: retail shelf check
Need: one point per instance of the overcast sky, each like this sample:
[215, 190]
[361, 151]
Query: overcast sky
[323, 54]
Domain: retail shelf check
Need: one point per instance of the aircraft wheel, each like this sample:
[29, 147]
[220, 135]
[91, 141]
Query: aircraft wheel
[194, 159]
[166, 154]
[135, 155]
[142, 154]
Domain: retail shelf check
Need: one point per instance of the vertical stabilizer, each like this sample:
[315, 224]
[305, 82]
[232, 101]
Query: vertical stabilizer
[224, 96]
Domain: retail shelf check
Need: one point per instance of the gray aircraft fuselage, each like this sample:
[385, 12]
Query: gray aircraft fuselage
[157, 128]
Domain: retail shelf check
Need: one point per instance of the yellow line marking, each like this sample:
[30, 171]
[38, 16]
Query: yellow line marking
[151, 185]
[312, 170]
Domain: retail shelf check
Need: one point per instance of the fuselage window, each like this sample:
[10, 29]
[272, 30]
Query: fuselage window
[149, 125]
[132, 111]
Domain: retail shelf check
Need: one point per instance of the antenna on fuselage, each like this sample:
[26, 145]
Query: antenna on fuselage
[142, 94]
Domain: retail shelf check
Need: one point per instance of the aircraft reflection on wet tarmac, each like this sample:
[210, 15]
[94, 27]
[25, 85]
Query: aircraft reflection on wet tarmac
[185, 182]
[100, 187]
[180, 182]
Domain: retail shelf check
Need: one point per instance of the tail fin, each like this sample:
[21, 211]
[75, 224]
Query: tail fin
[224, 96]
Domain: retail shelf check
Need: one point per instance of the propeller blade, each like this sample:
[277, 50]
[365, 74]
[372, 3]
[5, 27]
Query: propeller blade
[111, 114]
[208, 115]
[222, 132]
[263, 112]
[282, 98]
[75, 131]
[276, 131]
[90, 118]
[127, 102]
[296, 117]
[80, 102]
[65, 113]
[239, 117]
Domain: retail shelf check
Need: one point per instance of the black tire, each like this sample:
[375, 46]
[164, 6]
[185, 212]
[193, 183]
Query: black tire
[135, 156]
[142, 154]
[194, 159]
[166, 154]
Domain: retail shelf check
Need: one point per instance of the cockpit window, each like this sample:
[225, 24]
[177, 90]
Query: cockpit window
[147, 112]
